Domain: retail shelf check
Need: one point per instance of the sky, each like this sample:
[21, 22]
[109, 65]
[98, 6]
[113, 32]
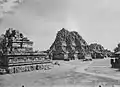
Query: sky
[97, 21]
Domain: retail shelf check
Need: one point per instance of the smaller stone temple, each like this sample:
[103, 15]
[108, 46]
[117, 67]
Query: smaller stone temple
[17, 43]
[17, 55]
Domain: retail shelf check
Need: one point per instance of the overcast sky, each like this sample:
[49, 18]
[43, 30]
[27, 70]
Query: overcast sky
[95, 20]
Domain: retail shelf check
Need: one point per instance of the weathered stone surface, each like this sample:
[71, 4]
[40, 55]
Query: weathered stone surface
[70, 44]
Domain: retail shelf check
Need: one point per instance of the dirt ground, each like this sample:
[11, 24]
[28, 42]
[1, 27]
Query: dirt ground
[68, 74]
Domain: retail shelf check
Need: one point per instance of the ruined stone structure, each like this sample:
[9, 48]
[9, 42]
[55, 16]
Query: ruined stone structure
[97, 51]
[17, 55]
[68, 46]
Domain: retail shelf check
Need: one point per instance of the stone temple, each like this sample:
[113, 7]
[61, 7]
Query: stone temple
[68, 46]
[17, 55]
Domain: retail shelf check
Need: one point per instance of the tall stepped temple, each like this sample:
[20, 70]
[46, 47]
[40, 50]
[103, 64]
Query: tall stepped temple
[68, 46]
[17, 55]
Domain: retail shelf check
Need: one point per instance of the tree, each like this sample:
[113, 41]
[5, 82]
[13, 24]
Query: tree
[117, 48]
[3, 44]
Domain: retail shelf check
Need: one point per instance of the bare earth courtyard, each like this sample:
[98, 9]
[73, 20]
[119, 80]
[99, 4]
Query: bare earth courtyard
[68, 74]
